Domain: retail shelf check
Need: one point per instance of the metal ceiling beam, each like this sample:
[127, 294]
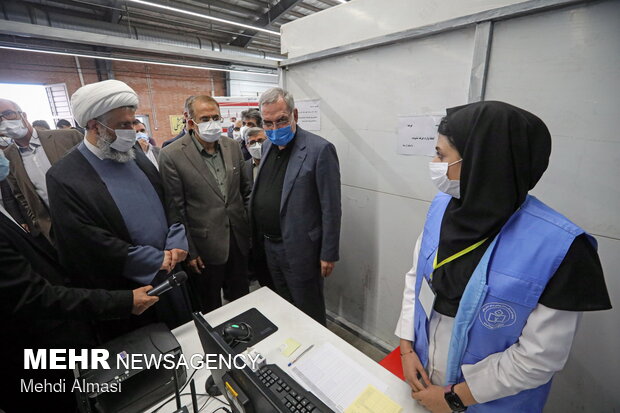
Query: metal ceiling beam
[229, 8]
[265, 20]
[310, 7]
[329, 3]
[81, 37]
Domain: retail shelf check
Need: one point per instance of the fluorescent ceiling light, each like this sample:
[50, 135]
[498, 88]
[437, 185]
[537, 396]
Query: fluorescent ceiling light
[124, 59]
[204, 16]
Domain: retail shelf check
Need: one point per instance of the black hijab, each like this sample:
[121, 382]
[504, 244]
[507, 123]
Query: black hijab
[505, 151]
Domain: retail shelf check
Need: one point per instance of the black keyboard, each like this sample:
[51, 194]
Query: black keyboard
[291, 394]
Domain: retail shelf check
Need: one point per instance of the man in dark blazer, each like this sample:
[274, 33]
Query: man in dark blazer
[31, 155]
[38, 309]
[99, 193]
[203, 173]
[296, 205]
[184, 130]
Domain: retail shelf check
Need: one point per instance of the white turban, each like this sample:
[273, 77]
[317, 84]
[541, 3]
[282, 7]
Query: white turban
[93, 100]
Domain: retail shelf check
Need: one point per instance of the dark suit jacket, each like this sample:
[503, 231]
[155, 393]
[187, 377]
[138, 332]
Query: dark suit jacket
[176, 138]
[310, 209]
[10, 203]
[89, 231]
[38, 310]
[55, 143]
[249, 170]
[194, 190]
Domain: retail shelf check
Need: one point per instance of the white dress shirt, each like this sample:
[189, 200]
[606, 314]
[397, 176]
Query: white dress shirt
[36, 164]
[542, 349]
[149, 154]
[94, 149]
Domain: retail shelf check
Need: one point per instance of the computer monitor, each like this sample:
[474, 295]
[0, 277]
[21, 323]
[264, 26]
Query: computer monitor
[242, 387]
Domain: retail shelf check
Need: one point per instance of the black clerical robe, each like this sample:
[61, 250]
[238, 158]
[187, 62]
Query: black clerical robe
[93, 241]
[37, 311]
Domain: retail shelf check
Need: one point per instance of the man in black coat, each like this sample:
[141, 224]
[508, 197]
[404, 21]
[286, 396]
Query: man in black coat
[39, 310]
[108, 208]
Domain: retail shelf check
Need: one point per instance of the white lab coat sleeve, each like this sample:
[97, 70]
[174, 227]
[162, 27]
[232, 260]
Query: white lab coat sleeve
[540, 352]
[404, 327]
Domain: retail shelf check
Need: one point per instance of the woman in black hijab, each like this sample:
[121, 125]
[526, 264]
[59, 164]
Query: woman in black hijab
[489, 155]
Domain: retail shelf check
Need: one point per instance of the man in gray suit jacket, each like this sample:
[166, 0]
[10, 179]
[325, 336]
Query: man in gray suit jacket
[295, 205]
[31, 155]
[203, 173]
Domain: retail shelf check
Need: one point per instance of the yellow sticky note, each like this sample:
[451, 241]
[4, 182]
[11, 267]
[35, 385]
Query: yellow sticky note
[290, 346]
[371, 400]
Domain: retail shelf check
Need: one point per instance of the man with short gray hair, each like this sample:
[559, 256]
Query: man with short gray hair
[295, 205]
[31, 154]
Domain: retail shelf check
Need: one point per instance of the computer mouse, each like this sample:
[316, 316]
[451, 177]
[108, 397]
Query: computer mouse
[237, 331]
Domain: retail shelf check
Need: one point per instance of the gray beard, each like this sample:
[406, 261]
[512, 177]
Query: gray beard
[103, 143]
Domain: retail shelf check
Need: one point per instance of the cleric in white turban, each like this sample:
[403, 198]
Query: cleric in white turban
[107, 210]
[95, 99]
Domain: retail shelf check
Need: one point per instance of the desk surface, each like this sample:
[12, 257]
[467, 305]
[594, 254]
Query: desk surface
[291, 323]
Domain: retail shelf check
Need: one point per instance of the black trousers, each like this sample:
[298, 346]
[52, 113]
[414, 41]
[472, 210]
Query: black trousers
[259, 270]
[305, 291]
[208, 284]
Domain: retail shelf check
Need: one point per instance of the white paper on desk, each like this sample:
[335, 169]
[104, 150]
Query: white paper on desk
[334, 377]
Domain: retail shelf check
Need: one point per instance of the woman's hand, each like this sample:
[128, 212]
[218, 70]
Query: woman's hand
[412, 367]
[433, 399]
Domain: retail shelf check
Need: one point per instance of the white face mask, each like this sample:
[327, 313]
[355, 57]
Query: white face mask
[13, 129]
[210, 131]
[237, 135]
[439, 176]
[255, 150]
[125, 139]
[142, 136]
[242, 131]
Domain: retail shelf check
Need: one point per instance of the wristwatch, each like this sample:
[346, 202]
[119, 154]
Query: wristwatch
[453, 399]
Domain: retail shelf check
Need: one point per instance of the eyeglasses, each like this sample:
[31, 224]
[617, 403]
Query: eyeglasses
[10, 115]
[253, 143]
[214, 118]
[275, 125]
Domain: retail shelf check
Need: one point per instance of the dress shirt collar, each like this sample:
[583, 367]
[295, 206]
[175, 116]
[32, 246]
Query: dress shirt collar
[34, 143]
[94, 149]
[201, 148]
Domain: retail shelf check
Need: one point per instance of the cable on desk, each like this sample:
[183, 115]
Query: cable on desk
[181, 395]
[222, 401]
[221, 408]
[180, 390]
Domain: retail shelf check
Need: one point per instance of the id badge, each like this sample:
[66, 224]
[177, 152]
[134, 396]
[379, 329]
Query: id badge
[427, 298]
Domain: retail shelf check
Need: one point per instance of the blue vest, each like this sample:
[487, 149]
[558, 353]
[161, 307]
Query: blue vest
[501, 294]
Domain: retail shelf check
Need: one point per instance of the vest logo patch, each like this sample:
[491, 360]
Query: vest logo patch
[497, 315]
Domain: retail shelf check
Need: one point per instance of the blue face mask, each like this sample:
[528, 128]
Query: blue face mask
[280, 137]
[4, 166]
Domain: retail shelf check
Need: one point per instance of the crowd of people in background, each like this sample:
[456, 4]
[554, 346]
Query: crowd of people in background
[91, 219]
[94, 213]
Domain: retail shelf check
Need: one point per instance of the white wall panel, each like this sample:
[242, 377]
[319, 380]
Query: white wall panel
[359, 20]
[563, 65]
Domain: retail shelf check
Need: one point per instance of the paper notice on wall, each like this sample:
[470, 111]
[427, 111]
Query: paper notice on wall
[176, 124]
[417, 134]
[309, 114]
